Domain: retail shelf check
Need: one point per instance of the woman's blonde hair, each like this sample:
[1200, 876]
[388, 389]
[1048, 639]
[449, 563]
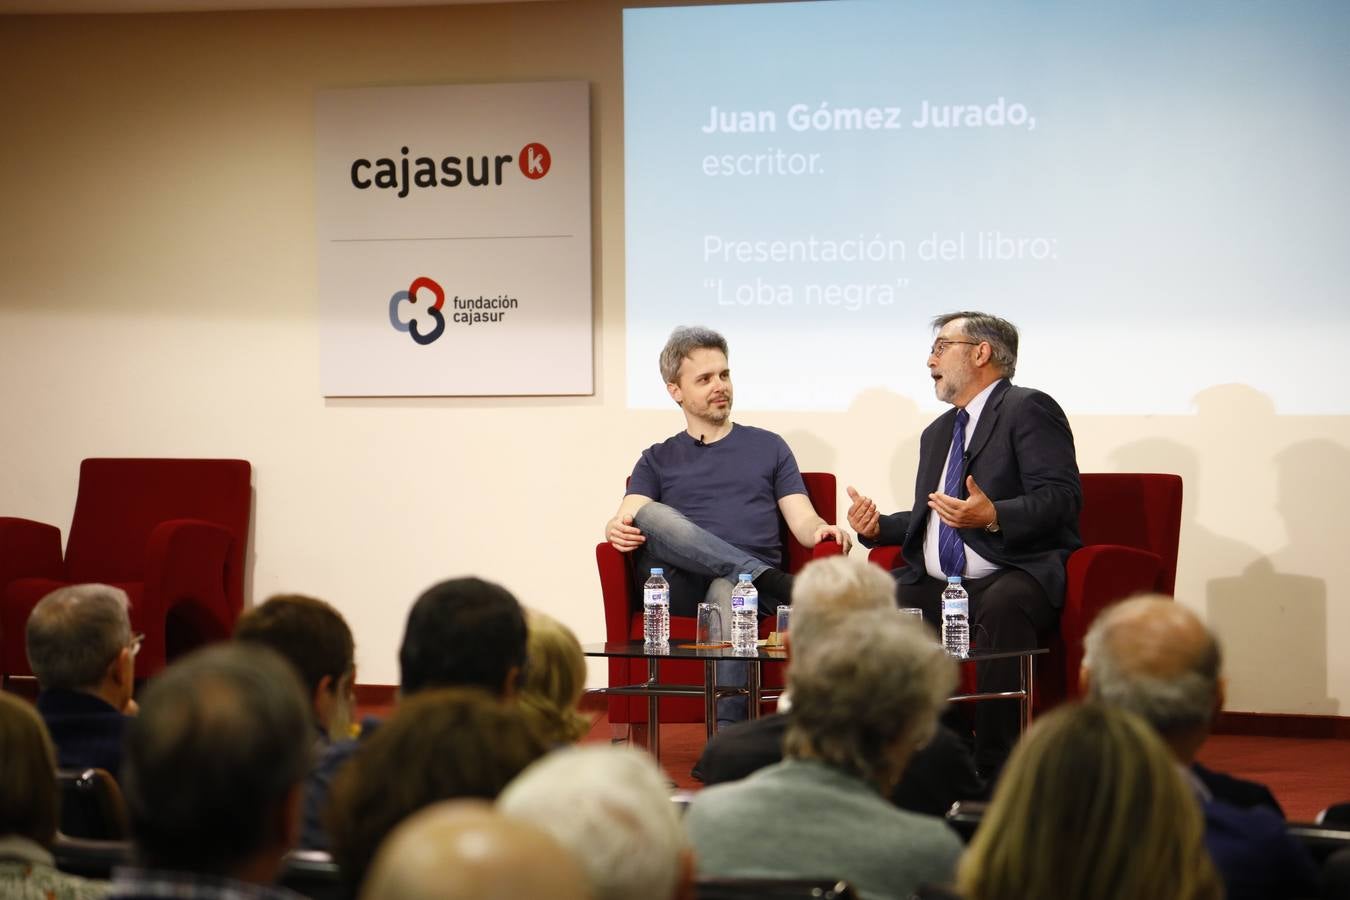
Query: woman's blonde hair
[555, 677]
[28, 797]
[1091, 805]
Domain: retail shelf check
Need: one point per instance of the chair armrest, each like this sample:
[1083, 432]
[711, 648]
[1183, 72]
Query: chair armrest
[29, 549]
[614, 590]
[1097, 576]
[90, 859]
[1101, 574]
[887, 556]
[187, 558]
[826, 549]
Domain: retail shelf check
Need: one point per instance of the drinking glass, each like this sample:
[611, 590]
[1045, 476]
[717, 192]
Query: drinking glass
[709, 626]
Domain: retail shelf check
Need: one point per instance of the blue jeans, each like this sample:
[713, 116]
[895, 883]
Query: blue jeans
[675, 541]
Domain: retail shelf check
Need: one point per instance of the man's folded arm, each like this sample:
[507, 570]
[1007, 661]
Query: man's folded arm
[620, 531]
[806, 524]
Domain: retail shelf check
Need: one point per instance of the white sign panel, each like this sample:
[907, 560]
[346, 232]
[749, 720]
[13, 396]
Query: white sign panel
[454, 228]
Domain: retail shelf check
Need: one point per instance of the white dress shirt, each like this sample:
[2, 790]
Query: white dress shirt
[976, 565]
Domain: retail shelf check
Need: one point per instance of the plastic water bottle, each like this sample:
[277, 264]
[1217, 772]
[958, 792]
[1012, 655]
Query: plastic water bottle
[744, 615]
[956, 618]
[656, 608]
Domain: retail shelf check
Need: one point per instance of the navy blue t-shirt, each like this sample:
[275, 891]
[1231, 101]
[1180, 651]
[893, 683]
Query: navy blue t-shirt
[730, 488]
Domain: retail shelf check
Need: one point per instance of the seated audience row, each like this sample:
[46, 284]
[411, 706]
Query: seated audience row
[243, 751]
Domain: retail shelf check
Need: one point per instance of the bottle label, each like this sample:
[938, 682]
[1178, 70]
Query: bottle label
[741, 601]
[652, 597]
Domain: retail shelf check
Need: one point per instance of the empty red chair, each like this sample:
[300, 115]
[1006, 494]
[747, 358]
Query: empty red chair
[170, 532]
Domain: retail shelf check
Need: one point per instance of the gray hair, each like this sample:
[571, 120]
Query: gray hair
[877, 678]
[684, 341]
[611, 808]
[1000, 334]
[74, 633]
[1173, 703]
[829, 590]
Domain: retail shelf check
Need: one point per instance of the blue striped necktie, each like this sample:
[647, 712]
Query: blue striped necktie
[951, 549]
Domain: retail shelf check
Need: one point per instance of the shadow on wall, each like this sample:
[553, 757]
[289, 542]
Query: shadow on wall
[1272, 615]
[1275, 616]
[1204, 554]
[1271, 618]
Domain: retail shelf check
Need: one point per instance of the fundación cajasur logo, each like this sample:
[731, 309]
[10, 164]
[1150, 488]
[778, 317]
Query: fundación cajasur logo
[480, 310]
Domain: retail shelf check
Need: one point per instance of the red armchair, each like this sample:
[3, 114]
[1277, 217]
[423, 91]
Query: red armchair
[170, 532]
[623, 619]
[1131, 527]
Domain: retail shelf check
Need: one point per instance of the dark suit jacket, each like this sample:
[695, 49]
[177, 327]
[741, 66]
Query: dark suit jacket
[939, 774]
[1022, 456]
[1254, 854]
[87, 731]
[1237, 792]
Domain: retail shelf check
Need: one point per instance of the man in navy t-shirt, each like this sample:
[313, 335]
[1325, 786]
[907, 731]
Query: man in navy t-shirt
[704, 504]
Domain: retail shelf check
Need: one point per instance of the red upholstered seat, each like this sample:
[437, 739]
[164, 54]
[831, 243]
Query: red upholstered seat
[1131, 528]
[171, 532]
[623, 619]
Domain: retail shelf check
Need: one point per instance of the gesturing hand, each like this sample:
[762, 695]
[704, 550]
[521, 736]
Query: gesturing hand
[862, 515]
[976, 511]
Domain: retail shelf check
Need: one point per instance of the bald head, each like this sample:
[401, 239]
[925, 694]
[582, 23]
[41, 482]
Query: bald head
[1155, 657]
[466, 849]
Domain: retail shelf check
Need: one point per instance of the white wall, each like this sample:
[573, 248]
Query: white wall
[158, 298]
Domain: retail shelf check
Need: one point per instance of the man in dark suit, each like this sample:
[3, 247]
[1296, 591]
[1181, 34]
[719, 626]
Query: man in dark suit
[996, 501]
[81, 648]
[1155, 658]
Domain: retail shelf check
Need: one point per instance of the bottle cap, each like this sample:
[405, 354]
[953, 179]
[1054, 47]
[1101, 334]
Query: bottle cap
[953, 579]
[745, 576]
[658, 571]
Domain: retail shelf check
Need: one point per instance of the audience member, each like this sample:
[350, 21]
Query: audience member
[28, 811]
[463, 850]
[554, 681]
[464, 632]
[312, 636]
[1091, 807]
[81, 648]
[1155, 658]
[439, 745]
[212, 777]
[863, 698]
[611, 808]
[828, 591]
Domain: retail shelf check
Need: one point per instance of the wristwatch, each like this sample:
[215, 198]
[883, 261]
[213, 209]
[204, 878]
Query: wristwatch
[992, 527]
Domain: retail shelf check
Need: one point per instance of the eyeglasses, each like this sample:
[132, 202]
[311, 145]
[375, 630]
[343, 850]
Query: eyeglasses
[941, 344]
[135, 645]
